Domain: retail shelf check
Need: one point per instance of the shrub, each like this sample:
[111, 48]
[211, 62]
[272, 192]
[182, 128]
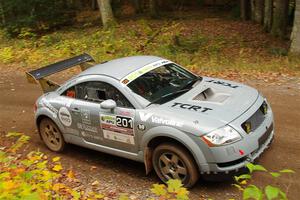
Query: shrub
[251, 191]
[6, 55]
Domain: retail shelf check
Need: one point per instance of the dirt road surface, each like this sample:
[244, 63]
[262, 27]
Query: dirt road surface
[118, 175]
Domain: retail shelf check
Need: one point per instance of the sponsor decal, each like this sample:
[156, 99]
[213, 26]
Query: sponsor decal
[162, 121]
[191, 107]
[85, 116]
[196, 124]
[223, 83]
[90, 136]
[145, 116]
[108, 119]
[87, 127]
[72, 131]
[158, 120]
[111, 135]
[141, 127]
[118, 128]
[125, 81]
[134, 75]
[65, 116]
[125, 113]
[48, 106]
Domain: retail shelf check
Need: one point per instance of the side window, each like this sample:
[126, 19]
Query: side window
[96, 91]
[70, 92]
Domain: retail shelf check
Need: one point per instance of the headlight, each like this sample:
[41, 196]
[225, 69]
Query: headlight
[222, 136]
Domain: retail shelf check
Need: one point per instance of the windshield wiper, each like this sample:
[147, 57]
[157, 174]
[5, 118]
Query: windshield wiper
[178, 92]
[191, 83]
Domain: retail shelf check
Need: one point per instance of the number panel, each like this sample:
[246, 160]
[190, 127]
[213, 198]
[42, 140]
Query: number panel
[125, 122]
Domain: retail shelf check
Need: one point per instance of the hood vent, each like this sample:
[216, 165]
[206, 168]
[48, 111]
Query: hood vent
[211, 96]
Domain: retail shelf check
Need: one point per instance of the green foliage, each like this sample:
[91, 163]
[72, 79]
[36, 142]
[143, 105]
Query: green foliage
[174, 190]
[6, 54]
[251, 167]
[251, 191]
[278, 51]
[21, 18]
[33, 176]
[193, 48]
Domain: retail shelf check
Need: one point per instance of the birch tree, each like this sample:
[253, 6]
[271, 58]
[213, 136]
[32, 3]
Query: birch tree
[106, 13]
[295, 37]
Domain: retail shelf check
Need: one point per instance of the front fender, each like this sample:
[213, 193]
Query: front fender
[184, 138]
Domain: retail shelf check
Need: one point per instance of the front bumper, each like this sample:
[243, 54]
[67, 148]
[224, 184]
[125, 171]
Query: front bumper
[234, 157]
[239, 164]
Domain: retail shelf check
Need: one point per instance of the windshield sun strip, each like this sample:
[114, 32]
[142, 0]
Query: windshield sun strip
[143, 70]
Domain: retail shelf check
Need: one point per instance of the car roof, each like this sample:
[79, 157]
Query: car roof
[119, 68]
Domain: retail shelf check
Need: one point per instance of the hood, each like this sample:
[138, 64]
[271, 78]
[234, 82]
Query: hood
[212, 103]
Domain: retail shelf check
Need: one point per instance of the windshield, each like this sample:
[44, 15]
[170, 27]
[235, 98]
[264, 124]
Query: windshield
[163, 84]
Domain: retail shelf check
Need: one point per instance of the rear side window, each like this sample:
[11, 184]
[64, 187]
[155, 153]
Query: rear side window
[95, 91]
[70, 92]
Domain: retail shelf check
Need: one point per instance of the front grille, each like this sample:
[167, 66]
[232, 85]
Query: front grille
[262, 140]
[255, 120]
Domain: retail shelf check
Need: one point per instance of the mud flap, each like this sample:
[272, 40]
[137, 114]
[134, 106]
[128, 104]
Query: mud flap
[148, 159]
[39, 75]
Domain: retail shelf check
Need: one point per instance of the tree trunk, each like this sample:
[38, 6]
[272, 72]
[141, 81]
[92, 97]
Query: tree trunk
[252, 6]
[258, 11]
[153, 8]
[137, 4]
[106, 13]
[94, 5]
[3, 21]
[268, 15]
[280, 15]
[295, 37]
[245, 9]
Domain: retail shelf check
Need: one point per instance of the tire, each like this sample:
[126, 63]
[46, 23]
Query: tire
[51, 135]
[172, 161]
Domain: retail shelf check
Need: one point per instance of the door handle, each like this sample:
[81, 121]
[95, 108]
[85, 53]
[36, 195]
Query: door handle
[75, 110]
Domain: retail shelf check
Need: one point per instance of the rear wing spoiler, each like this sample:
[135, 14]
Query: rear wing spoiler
[39, 75]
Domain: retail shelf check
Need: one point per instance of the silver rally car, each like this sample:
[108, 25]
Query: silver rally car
[151, 110]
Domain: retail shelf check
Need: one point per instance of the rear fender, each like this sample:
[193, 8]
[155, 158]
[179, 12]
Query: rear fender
[45, 112]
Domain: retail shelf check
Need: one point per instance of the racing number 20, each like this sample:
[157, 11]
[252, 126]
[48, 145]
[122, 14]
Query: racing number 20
[125, 122]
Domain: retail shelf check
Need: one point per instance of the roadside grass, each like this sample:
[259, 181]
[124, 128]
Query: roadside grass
[204, 44]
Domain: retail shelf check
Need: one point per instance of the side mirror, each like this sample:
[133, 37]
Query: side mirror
[108, 104]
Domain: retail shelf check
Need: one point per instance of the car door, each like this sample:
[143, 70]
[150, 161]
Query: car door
[84, 115]
[111, 128]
